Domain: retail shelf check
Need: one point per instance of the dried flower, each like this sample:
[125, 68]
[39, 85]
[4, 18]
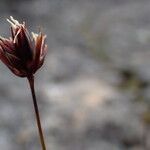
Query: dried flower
[22, 54]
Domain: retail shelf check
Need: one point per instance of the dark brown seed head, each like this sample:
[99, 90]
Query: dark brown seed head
[21, 53]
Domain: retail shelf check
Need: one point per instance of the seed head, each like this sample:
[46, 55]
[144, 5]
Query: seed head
[21, 53]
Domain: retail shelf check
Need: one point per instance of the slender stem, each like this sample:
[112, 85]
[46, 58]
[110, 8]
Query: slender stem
[31, 83]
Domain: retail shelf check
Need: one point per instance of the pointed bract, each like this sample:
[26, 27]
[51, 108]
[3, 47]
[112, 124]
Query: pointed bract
[22, 54]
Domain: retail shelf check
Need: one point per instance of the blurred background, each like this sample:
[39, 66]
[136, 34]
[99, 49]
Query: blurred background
[94, 88]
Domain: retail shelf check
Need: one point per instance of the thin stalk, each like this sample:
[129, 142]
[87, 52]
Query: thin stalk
[36, 109]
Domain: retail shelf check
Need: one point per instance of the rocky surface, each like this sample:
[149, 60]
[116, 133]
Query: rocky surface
[93, 91]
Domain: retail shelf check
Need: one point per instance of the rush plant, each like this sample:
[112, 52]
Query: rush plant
[24, 55]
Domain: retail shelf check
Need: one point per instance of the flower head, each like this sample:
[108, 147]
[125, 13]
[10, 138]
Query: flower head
[21, 53]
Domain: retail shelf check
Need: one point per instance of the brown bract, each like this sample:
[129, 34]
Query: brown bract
[22, 54]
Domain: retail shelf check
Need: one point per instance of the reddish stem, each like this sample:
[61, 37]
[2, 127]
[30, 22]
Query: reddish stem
[31, 83]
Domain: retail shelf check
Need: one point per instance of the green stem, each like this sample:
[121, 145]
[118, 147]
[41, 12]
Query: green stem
[31, 83]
